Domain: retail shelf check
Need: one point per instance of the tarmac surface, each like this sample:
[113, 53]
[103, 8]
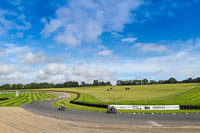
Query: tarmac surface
[46, 108]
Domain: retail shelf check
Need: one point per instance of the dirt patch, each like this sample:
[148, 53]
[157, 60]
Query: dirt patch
[18, 120]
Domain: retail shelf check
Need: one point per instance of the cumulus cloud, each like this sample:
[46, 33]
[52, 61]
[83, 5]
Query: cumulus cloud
[53, 73]
[34, 58]
[129, 40]
[150, 47]
[10, 74]
[59, 73]
[181, 64]
[11, 49]
[13, 53]
[6, 69]
[105, 52]
[54, 69]
[89, 73]
[28, 55]
[41, 58]
[85, 20]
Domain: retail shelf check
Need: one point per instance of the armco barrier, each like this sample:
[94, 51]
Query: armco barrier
[1, 99]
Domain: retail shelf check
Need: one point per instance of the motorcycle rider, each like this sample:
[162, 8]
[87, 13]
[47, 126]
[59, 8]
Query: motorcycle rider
[62, 106]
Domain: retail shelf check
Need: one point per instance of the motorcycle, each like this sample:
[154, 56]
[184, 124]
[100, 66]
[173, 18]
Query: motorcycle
[61, 108]
[112, 110]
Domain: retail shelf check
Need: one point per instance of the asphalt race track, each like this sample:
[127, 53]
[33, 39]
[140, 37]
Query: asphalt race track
[46, 108]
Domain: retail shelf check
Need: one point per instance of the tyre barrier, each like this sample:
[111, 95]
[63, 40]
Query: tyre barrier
[89, 104]
[189, 107]
[1, 99]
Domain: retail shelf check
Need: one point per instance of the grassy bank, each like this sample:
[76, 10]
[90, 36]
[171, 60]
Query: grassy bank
[23, 98]
[142, 94]
[186, 97]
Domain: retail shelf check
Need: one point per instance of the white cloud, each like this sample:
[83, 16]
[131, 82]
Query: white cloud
[192, 44]
[2, 52]
[13, 53]
[34, 58]
[54, 69]
[6, 69]
[89, 73]
[27, 55]
[59, 73]
[53, 73]
[5, 25]
[180, 63]
[105, 52]
[129, 40]
[85, 20]
[12, 21]
[150, 47]
[14, 49]
[10, 74]
[41, 58]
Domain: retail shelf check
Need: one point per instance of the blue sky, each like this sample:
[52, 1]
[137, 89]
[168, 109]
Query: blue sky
[82, 40]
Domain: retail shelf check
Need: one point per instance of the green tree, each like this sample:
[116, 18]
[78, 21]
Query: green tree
[82, 83]
[153, 82]
[145, 81]
[95, 83]
[172, 80]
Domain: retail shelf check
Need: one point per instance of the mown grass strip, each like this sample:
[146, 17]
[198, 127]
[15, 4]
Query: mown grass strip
[24, 98]
[76, 107]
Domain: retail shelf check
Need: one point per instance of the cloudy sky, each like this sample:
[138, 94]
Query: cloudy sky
[82, 40]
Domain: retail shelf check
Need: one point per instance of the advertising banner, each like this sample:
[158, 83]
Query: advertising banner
[146, 107]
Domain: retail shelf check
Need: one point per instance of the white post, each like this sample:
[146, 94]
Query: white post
[17, 94]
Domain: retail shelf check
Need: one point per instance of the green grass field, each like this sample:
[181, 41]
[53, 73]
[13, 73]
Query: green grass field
[165, 94]
[143, 94]
[169, 94]
[138, 92]
[76, 107]
[23, 98]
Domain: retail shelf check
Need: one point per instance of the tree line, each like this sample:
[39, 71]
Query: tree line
[95, 83]
[51, 85]
[146, 81]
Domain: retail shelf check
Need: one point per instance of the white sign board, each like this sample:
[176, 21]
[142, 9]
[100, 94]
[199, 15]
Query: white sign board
[146, 107]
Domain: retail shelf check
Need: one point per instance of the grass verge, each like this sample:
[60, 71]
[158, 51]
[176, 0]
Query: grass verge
[75, 106]
[87, 108]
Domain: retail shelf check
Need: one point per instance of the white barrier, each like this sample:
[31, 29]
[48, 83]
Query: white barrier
[146, 107]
